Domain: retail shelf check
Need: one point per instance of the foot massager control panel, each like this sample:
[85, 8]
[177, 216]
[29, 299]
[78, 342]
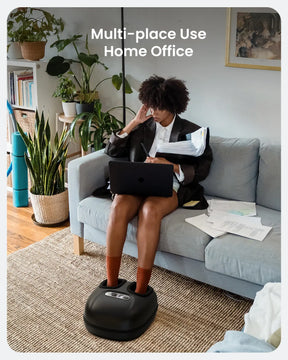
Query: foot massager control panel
[117, 295]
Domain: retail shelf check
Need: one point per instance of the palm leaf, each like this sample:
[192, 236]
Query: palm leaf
[47, 157]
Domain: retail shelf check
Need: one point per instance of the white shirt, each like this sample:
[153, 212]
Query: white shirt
[162, 134]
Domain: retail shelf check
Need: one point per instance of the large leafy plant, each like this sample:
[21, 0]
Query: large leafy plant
[96, 127]
[46, 159]
[58, 65]
[32, 24]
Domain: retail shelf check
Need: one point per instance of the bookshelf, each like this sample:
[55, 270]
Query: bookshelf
[32, 88]
[29, 87]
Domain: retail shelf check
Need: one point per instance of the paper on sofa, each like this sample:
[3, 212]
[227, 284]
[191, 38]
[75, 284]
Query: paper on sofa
[246, 226]
[243, 208]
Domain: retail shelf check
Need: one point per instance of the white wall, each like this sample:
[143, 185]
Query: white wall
[231, 101]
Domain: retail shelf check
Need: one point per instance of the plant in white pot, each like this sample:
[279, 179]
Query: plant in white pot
[66, 91]
[46, 165]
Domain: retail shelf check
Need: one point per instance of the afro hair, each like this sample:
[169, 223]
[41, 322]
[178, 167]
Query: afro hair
[164, 94]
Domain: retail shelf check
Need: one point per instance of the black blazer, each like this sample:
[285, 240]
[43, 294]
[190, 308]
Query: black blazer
[195, 169]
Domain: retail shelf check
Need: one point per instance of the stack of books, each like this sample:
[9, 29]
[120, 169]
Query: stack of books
[21, 88]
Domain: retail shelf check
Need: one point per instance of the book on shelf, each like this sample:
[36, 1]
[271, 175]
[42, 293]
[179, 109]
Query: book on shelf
[21, 88]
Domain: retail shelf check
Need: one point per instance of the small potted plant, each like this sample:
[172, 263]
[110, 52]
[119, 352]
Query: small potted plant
[31, 27]
[87, 93]
[66, 91]
[46, 166]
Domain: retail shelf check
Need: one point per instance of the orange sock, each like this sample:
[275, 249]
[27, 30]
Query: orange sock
[112, 268]
[143, 278]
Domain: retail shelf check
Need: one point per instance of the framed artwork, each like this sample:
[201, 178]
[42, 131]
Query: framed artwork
[253, 38]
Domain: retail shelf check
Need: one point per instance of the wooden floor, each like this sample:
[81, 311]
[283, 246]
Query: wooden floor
[21, 231]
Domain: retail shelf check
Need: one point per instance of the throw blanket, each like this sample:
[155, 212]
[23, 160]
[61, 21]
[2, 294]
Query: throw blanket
[264, 316]
[262, 325]
[238, 341]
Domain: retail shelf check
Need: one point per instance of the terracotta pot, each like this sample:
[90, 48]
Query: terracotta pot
[34, 50]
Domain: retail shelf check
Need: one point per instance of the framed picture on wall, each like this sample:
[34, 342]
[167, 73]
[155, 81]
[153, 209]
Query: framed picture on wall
[253, 38]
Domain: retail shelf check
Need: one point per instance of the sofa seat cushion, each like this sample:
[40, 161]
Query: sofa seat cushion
[180, 238]
[176, 236]
[95, 212]
[255, 261]
[234, 169]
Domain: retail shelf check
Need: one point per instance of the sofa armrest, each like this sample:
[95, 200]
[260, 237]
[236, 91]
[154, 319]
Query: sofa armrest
[85, 174]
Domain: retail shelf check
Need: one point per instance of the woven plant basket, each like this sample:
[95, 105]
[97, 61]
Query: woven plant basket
[34, 50]
[26, 120]
[50, 209]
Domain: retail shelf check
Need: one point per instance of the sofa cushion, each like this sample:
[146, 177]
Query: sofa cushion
[255, 261]
[234, 168]
[95, 212]
[180, 238]
[269, 180]
[176, 236]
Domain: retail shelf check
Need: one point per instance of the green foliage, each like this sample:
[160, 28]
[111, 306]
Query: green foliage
[46, 159]
[32, 24]
[117, 82]
[65, 89]
[58, 65]
[96, 127]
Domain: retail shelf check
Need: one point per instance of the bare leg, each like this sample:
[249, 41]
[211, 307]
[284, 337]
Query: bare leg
[152, 211]
[123, 209]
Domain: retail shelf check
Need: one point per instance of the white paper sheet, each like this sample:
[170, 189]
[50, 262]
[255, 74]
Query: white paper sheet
[235, 217]
[193, 147]
[201, 222]
[249, 227]
[242, 208]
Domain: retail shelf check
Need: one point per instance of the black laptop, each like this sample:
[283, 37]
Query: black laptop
[138, 178]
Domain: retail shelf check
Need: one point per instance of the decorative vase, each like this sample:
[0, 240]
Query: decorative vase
[33, 50]
[14, 51]
[69, 108]
[50, 209]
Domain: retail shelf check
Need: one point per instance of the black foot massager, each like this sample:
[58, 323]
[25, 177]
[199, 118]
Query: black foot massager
[118, 313]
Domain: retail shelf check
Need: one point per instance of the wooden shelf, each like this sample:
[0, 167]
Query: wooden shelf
[44, 86]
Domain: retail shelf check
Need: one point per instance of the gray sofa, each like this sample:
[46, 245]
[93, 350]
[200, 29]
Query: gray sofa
[242, 169]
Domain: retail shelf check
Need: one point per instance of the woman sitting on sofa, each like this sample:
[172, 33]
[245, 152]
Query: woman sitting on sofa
[156, 121]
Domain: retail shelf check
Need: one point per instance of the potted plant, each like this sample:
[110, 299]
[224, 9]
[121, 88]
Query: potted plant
[46, 166]
[97, 126]
[87, 93]
[31, 27]
[66, 91]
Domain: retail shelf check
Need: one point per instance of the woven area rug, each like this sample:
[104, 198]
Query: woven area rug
[48, 286]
